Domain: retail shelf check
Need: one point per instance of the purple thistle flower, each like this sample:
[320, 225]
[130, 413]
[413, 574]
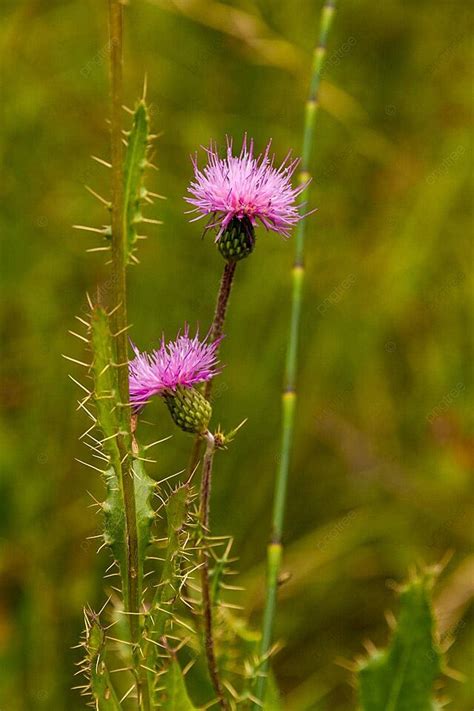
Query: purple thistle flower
[184, 362]
[246, 188]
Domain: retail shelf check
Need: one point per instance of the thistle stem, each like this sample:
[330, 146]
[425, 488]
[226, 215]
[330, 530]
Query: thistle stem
[274, 551]
[204, 510]
[216, 331]
[131, 583]
[222, 302]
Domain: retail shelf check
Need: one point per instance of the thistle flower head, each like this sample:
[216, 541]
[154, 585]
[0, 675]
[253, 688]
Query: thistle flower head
[247, 188]
[178, 364]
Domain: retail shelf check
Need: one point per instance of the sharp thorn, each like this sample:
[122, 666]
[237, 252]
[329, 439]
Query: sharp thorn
[77, 335]
[101, 161]
[105, 202]
[87, 228]
[78, 362]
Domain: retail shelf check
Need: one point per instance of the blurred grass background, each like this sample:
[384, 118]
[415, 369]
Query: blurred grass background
[382, 471]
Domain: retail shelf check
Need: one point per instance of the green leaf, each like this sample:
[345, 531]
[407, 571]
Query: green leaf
[135, 193]
[401, 677]
[243, 645]
[176, 695]
[144, 488]
[111, 415]
[100, 684]
[272, 695]
[105, 381]
[176, 514]
[134, 166]
[167, 591]
[114, 516]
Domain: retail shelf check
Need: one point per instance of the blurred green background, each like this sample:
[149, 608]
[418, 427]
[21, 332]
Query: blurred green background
[382, 470]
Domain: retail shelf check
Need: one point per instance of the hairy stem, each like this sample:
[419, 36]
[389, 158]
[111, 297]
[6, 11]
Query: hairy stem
[274, 551]
[216, 332]
[132, 584]
[204, 509]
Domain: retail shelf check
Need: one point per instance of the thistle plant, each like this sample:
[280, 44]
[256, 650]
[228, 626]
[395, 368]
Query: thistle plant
[172, 372]
[236, 194]
[167, 614]
[139, 662]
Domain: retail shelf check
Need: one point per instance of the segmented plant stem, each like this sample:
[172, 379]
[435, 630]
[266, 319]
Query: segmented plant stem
[132, 584]
[274, 551]
[216, 331]
[204, 509]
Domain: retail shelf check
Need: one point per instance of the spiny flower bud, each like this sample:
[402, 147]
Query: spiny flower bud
[189, 409]
[238, 240]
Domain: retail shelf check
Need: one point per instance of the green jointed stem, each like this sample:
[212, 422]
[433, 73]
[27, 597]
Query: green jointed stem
[119, 266]
[274, 552]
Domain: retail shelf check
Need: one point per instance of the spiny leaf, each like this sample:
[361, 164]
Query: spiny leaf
[100, 684]
[111, 414]
[218, 572]
[134, 166]
[176, 513]
[135, 193]
[105, 381]
[176, 695]
[144, 488]
[401, 677]
[241, 644]
[114, 517]
[109, 418]
[167, 590]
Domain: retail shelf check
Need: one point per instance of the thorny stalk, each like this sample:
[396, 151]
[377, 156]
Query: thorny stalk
[204, 509]
[132, 584]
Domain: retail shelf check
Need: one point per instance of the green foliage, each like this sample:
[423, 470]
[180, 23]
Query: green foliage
[135, 193]
[106, 396]
[109, 418]
[144, 490]
[167, 591]
[175, 693]
[134, 166]
[272, 695]
[401, 678]
[114, 516]
[239, 655]
[99, 682]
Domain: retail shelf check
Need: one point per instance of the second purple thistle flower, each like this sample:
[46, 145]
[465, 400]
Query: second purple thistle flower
[239, 192]
[172, 372]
